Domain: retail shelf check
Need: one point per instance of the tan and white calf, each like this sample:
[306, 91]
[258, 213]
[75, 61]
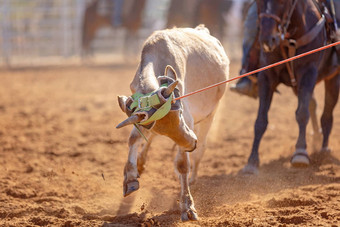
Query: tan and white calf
[187, 59]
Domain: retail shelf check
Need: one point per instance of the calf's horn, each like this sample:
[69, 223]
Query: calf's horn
[167, 92]
[131, 120]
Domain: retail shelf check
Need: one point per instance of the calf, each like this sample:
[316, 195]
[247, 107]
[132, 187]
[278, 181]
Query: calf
[192, 59]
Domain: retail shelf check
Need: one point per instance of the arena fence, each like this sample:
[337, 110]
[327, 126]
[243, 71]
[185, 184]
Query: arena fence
[38, 28]
[38, 32]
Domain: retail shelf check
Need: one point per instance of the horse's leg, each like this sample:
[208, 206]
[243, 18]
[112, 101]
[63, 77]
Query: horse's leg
[130, 183]
[182, 166]
[317, 136]
[143, 153]
[305, 92]
[331, 98]
[201, 130]
[265, 95]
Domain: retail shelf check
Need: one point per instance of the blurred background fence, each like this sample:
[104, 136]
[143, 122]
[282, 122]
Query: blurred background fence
[44, 32]
[32, 30]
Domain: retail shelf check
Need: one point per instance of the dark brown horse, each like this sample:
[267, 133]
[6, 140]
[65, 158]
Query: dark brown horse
[288, 28]
[93, 21]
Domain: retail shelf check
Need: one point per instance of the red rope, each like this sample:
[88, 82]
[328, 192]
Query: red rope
[261, 69]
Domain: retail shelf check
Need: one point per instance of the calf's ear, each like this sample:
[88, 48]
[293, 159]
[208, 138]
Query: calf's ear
[122, 102]
[170, 72]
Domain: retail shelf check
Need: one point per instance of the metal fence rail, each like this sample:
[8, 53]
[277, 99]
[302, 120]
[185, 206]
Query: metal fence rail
[38, 28]
[39, 32]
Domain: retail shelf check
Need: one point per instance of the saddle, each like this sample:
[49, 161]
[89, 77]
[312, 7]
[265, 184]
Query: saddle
[328, 11]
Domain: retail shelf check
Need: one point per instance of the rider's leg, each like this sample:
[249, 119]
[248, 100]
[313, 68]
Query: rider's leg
[246, 85]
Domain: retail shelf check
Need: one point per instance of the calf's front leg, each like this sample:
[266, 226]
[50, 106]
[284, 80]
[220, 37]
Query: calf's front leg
[130, 183]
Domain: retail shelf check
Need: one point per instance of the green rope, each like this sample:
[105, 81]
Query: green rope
[146, 102]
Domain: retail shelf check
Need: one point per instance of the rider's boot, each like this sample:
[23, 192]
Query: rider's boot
[246, 86]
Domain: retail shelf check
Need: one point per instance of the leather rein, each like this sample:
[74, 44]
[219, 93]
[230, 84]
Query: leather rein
[293, 44]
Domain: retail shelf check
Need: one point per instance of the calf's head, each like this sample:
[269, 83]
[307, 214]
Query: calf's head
[172, 124]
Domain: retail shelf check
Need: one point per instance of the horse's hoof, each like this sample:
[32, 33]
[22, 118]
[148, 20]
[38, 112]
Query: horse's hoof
[325, 151]
[324, 156]
[300, 159]
[250, 169]
[189, 215]
[130, 187]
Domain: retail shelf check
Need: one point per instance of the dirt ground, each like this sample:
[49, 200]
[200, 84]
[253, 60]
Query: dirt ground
[62, 159]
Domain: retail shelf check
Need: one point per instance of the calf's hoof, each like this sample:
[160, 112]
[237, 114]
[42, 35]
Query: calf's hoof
[300, 159]
[250, 169]
[192, 180]
[129, 187]
[189, 215]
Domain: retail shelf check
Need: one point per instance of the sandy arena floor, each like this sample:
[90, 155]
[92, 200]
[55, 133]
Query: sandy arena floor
[62, 160]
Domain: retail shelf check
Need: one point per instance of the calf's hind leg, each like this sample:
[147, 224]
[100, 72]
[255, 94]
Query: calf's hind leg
[143, 154]
[331, 98]
[201, 130]
[182, 166]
